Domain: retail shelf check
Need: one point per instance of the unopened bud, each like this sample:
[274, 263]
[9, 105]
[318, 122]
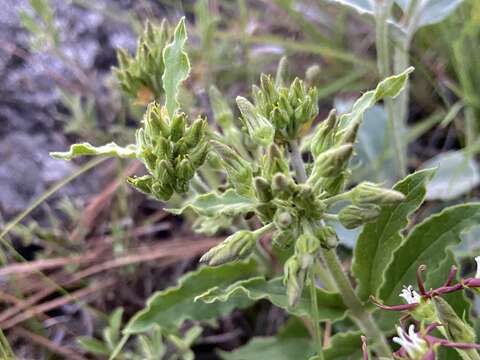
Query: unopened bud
[142, 183]
[282, 72]
[457, 329]
[349, 134]
[283, 219]
[235, 247]
[324, 135]
[306, 248]
[196, 132]
[155, 124]
[294, 279]
[199, 154]
[275, 162]
[177, 127]
[327, 236]
[185, 170]
[282, 186]
[258, 127]
[331, 162]
[312, 75]
[263, 189]
[353, 216]
[283, 239]
[367, 193]
[162, 191]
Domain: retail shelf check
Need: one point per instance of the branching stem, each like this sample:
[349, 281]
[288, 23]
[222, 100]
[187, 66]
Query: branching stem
[316, 317]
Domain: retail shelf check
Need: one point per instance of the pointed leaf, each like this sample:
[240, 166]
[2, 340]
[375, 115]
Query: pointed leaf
[110, 149]
[378, 240]
[330, 305]
[213, 204]
[172, 306]
[177, 67]
[427, 244]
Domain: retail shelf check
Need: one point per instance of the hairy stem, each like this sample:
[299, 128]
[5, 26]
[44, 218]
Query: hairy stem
[358, 313]
[297, 162]
[316, 316]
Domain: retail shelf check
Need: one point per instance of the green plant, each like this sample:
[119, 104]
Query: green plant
[264, 188]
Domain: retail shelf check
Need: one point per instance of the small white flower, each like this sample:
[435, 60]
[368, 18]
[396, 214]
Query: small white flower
[413, 344]
[477, 259]
[410, 295]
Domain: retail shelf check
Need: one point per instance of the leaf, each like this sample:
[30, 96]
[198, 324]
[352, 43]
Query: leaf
[379, 240]
[345, 345]
[172, 306]
[177, 67]
[433, 11]
[213, 204]
[389, 87]
[110, 149]
[457, 174]
[330, 305]
[427, 244]
[360, 6]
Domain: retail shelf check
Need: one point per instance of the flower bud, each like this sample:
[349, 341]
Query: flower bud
[367, 193]
[282, 72]
[327, 236]
[235, 247]
[352, 216]
[330, 162]
[142, 183]
[177, 127]
[162, 191]
[324, 135]
[349, 134]
[262, 189]
[196, 132]
[155, 124]
[199, 154]
[283, 219]
[306, 248]
[185, 170]
[163, 149]
[258, 127]
[283, 239]
[312, 75]
[294, 278]
[282, 186]
[274, 162]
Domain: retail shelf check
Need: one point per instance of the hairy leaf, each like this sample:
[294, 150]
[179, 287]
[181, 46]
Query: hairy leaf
[177, 67]
[457, 174]
[213, 204]
[330, 305]
[170, 307]
[427, 244]
[344, 345]
[110, 149]
[378, 240]
[389, 87]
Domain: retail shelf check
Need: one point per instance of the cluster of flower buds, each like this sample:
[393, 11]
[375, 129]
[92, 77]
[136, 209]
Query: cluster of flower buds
[140, 76]
[429, 307]
[279, 113]
[171, 150]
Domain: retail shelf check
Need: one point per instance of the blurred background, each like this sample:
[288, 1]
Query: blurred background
[81, 251]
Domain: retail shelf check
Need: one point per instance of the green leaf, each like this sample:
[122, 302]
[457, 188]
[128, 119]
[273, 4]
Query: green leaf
[177, 67]
[172, 306]
[389, 87]
[457, 174]
[427, 244]
[432, 11]
[93, 345]
[379, 240]
[212, 204]
[330, 305]
[345, 345]
[110, 149]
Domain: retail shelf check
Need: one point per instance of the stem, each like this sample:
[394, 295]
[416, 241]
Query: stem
[199, 185]
[396, 125]
[297, 162]
[358, 312]
[316, 316]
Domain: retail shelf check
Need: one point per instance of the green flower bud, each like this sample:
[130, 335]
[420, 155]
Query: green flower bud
[337, 184]
[330, 163]
[325, 134]
[235, 247]
[352, 216]
[349, 134]
[282, 72]
[221, 111]
[164, 172]
[283, 219]
[162, 191]
[258, 127]
[312, 75]
[274, 162]
[164, 149]
[155, 125]
[199, 154]
[457, 329]
[177, 127]
[294, 278]
[195, 133]
[282, 186]
[185, 170]
[367, 193]
[327, 236]
[306, 248]
[263, 189]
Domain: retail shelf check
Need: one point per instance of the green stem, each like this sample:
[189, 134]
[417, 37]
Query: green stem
[358, 312]
[199, 185]
[297, 162]
[316, 317]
